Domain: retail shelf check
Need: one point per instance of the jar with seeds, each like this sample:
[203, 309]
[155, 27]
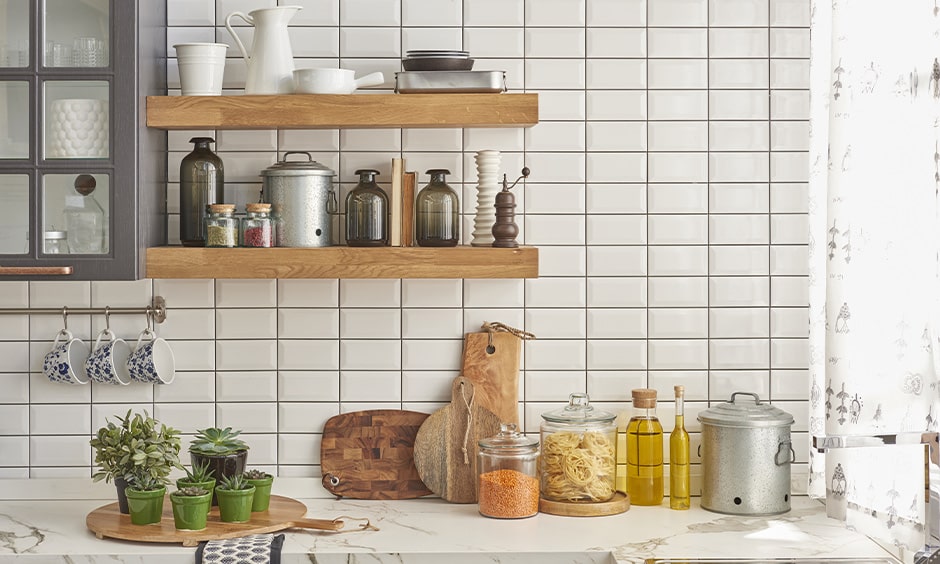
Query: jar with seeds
[508, 486]
[221, 226]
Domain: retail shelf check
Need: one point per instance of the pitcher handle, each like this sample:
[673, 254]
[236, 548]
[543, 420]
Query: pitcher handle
[238, 42]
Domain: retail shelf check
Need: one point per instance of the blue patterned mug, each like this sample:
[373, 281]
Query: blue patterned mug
[152, 361]
[65, 363]
[108, 363]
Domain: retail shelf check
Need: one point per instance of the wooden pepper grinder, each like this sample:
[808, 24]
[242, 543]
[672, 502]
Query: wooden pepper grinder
[505, 229]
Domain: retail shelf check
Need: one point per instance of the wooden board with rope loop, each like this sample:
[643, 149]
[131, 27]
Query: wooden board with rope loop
[494, 371]
[446, 444]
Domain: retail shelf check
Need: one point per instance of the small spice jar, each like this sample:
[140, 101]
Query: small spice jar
[257, 227]
[508, 479]
[578, 452]
[221, 226]
[55, 243]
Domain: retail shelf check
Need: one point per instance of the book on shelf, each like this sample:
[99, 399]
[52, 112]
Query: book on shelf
[409, 179]
[394, 231]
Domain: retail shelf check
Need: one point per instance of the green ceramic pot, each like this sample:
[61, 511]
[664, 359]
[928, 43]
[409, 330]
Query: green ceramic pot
[189, 512]
[208, 485]
[235, 505]
[145, 506]
[262, 493]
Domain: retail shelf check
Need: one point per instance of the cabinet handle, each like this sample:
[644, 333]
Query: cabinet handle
[35, 270]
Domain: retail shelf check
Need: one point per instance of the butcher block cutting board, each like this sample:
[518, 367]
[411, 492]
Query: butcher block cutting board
[370, 455]
[446, 445]
[491, 362]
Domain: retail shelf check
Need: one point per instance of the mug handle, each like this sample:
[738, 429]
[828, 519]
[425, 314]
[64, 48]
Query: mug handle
[106, 332]
[64, 333]
[145, 333]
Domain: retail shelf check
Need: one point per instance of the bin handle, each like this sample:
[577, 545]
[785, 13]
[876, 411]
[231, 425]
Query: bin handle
[752, 394]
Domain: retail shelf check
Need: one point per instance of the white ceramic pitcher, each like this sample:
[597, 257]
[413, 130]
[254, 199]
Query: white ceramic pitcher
[271, 63]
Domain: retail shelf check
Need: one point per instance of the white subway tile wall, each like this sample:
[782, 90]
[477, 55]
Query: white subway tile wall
[667, 196]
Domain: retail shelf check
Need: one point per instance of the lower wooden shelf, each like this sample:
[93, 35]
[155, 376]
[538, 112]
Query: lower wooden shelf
[343, 262]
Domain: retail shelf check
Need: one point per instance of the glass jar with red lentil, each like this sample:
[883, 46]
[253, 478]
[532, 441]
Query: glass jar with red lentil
[257, 228]
[508, 486]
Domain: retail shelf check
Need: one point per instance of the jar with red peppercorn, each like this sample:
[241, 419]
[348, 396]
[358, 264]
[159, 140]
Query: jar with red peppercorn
[257, 227]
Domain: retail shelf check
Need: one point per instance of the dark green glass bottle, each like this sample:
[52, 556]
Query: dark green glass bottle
[437, 213]
[201, 179]
[367, 212]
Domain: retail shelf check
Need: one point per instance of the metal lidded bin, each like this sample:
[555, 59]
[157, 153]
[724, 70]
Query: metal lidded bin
[302, 201]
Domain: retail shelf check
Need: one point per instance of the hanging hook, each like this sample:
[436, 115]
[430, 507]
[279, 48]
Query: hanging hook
[65, 317]
[107, 318]
[149, 315]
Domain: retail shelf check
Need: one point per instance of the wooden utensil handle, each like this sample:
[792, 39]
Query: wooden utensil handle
[319, 524]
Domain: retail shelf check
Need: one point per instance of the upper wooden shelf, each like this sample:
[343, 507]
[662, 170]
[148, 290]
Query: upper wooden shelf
[335, 111]
[343, 262]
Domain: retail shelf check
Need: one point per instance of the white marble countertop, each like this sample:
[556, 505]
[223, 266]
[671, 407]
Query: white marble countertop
[427, 531]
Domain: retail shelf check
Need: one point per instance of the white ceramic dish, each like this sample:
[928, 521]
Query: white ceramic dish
[332, 81]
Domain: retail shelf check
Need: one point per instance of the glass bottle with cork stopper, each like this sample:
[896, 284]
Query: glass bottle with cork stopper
[679, 494]
[257, 227]
[221, 226]
[508, 486]
[644, 450]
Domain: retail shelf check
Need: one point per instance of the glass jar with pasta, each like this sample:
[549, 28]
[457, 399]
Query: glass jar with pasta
[578, 462]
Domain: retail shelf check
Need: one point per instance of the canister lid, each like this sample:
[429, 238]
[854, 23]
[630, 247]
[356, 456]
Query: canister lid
[745, 412]
[52, 235]
[578, 410]
[509, 441]
[257, 207]
[221, 208]
[309, 167]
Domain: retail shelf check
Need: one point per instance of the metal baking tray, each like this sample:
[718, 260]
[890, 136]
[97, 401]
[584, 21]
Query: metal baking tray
[423, 82]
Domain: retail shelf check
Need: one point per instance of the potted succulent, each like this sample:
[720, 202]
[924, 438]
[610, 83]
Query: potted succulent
[136, 443]
[199, 476]
[262, 482]
[220, 449]
[190, 507]
[145, 495]
[235, 496]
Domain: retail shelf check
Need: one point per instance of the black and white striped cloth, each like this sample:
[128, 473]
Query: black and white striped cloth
[252, 549]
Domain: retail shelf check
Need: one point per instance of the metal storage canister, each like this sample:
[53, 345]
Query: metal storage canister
[302, 201]
[746, 455]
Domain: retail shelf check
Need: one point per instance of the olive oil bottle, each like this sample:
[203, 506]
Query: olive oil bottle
[644, 451]
[679, 496]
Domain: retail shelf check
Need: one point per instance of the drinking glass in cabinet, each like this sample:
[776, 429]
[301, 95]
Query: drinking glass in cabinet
[76, 33]
[80, 204]
[14, 214]
[14, 33]
[76, 120]
[14, 120]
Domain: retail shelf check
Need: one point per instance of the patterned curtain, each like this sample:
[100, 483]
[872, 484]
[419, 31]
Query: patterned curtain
[874, 181]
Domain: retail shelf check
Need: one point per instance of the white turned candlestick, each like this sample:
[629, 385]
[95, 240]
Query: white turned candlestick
[487, 188]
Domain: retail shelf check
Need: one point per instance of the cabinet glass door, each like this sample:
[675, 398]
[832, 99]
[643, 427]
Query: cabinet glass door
[76, 33]
[14, 33]
[76, 120]
[14, 120]
[79, 205]
[14, 214]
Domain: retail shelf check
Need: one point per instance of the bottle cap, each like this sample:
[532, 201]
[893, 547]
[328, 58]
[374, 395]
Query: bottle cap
[644, 398]
[680, 390]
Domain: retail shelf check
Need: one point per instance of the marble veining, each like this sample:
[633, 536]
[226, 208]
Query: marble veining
[18, 537]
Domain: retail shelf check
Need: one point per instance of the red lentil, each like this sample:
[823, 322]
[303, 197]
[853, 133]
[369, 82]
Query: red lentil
[508, 494]
[260, 236]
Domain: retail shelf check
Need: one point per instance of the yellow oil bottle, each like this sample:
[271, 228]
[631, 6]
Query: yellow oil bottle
[644, 451]
[679, 495]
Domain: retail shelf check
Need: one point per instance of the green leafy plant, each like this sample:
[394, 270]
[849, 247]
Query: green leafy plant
[138, 446]
[217, 442]
[256, 475]
[200, 472]
[234, 483]
[191, 491]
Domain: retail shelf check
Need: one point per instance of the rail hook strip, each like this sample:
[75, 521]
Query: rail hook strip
[156, 310]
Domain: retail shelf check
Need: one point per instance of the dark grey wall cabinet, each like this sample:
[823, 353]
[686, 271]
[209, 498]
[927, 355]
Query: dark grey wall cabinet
[82, 179]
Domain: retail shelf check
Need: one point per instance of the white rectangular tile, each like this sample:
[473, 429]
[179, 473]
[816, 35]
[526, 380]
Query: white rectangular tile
[308, 139]
[246, 354]
[619, 42]
[723, 383]
[307, 385]
[554, 229]
[788, 384]
[789, 43]
[246, 323]
[613, 105]
[738, 136]
[370, 140]
[789, 136]
[792, 229]
[789, 260]
[737, 73]
[740, 104]
[678, 292]
[307, 323]
[678, 323]
[370, 13]
[738, 260]
[677, 13]
[739, 322]
[427, 386]
[562, 261]
[15, 356]
[616, 13]
[194, 355]
[554, 73]
[554, 199]
[789, 291]
[432, 293]
[738, 167]
[15, 451]
[678, 43]
[254, 417]
[617, 261]
[440, 13]
[190, 12]
[58, 294]
[307, 293]
[614, 385]
[428, 323]
[187, 416]
[678, 260]
[554, 12]
[739, 229]
[789, 322]
[370, 293]
[678, 136]
[432, 38]
[298, 448]
[14, 294]
[14, 419]
[739, 43]
[59, 451]
[616, 292]
[678, 105]
[431, 354]
[678, 230]
[555, 136]
[246, 293]
[494, 13]
[493, 293]
[135, 393]
[616, 230]
[316, 354]
[677, 198]
[789, 73]
[615, 199]
[474, 319]
[59, 419]
[136, 293]
[494, 41]
[555, 355]
[477, 139]
[370, 323]
[557, 42]
[619, 323]
[789, 167]
[555, 292]
[616, 73]
[240, 386]
[789, 13]
[678, 354]
[614, 167]
[553, 385]
[738, 198]
[735, 354]
[305, 417]
[370, 42]
[187, 387]
[789, 104]
[616, 354]
[556, 323]
[734, 291]
[370, 354]
[789, 353]
[752, 13]
[17, 389]
[678, 167]
[430, 140]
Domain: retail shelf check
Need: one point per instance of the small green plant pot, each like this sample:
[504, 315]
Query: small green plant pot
[208, 485]
[262, 493]
[189, 512]
[145, 506]
[235, 505]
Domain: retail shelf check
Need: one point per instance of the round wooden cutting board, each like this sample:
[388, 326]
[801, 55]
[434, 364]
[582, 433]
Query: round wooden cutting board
[617, 504]
[283, 513]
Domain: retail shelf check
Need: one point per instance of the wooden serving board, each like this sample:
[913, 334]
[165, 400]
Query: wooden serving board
[615, 505]
[370, 455]
[494, 372]
[284, 513]
[439, 447]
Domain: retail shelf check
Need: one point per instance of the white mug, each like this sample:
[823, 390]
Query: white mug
[202, 66]
[152, 361]
[66, 362]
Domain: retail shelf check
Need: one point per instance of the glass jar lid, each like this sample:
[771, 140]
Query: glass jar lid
[258, 208]
[509, 441]
[309, 167]
[221, 208]
[53, 235]
[578, 410]
[745, 413]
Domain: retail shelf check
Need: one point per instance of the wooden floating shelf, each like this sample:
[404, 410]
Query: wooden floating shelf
[343, 262]
[334, 111]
